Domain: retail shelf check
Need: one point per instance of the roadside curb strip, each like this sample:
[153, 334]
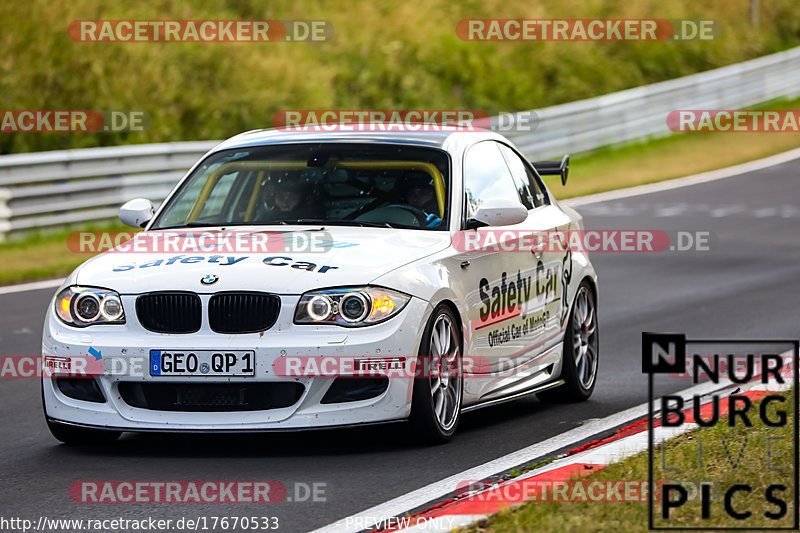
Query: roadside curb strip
[685, 181]
[579, 462]
[31, 286]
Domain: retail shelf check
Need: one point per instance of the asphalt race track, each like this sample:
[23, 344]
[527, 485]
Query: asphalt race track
[746, 286]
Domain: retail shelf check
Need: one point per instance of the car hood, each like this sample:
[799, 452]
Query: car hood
[292, 261]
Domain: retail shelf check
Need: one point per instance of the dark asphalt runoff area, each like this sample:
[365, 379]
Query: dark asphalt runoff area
[746, 286]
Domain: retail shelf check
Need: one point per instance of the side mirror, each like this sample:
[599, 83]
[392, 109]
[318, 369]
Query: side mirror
[498, 212]
[136, 213]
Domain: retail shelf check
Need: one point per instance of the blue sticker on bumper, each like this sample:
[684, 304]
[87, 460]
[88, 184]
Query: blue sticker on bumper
[155, 362]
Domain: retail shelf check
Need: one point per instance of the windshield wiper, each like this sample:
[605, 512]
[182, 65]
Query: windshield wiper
[198, 224]
[193, 224]
[340, 222]
[287, 222]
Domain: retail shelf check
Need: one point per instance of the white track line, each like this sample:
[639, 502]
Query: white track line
[35, 286]
[412, 500]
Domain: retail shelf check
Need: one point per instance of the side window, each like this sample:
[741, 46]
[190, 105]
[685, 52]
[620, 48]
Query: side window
[535, 186]
[486, 175]
[524, 178]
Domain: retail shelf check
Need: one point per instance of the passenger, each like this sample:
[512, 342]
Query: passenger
[292, 199]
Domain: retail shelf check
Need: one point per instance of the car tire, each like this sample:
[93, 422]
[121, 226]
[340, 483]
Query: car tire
[438, 385]
[77, 435]
[581, 351]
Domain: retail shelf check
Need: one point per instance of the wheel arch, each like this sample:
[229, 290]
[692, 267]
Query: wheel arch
[454, 308]
[592, 285]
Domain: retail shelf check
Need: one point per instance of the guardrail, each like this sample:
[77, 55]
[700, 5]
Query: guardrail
[66, 187]
[642, 112]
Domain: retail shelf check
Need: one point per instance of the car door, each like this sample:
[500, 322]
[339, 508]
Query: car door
[550, 251]
[514, 286]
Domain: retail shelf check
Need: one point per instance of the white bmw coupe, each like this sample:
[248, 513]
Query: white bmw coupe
[328, 279]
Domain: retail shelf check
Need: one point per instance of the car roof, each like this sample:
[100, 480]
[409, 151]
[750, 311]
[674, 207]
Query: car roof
[372, 134]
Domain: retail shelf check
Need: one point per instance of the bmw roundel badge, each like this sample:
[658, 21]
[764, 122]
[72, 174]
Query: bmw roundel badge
[209, 279]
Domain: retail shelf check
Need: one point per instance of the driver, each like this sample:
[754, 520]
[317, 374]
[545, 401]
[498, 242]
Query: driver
[420, 193]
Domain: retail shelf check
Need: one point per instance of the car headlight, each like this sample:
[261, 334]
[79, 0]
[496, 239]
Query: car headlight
[358, 306]
[85, 306]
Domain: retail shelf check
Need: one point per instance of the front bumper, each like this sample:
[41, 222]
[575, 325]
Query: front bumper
[125, 353]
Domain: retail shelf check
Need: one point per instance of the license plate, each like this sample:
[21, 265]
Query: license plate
[202, 363]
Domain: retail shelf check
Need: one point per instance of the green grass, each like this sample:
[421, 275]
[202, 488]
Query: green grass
[718, 465]
[516, 472]
[383, 55]
[45, 255]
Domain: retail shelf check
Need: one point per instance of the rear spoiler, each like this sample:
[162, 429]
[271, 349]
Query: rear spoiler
[553, 168]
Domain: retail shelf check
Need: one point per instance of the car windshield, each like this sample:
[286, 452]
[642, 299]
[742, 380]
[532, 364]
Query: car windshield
[326, 184]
